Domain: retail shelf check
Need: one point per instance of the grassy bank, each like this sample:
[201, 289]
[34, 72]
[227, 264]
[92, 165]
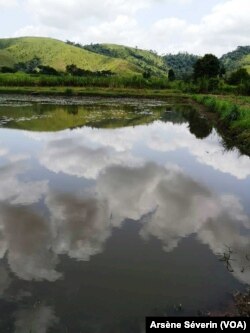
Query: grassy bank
[233, 115]
[95, 91]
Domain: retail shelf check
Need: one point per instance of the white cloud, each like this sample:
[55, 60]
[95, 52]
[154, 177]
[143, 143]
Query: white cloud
[82, 225]
[171, 206]
[3, 152]
[93, 150]
[221, 30]
[73, 158]
[27, 239]
[168, 204]
[226, 27]
[18, 192]
[208, 152]
[114, 31]
[39, 31]
[57, 13]
[9, 3]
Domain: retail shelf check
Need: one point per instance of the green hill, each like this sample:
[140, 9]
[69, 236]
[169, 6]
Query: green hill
[119, 59]
[58, 55]
[143, 59]
[237, 58]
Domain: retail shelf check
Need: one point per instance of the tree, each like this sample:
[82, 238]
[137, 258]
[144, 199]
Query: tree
[33, 65]
[30, 66]
[207, 66]
[239, 76]
[6, 69]
[73, 70]
[171, 75]
[47, 70]
[199, 126]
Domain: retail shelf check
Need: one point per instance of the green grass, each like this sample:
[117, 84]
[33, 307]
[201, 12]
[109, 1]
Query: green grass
[58, 55]
[95, 91]
[234, 115]
[118, 81]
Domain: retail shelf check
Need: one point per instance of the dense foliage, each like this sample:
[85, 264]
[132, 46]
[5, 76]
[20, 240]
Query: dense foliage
[181, 63]
[147, 61]
[75, 71]
[207, 67]
[171, 75]
[239, 76]
[235, 59]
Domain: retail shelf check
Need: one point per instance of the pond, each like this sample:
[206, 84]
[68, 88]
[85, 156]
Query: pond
[112, 210]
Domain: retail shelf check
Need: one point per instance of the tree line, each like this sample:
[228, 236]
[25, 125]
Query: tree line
[34, 66]
[209, 74]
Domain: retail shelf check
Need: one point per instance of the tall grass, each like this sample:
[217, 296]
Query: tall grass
[34, 80]
[235, 117]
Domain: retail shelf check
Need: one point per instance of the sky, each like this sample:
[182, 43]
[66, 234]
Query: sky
[166, 26]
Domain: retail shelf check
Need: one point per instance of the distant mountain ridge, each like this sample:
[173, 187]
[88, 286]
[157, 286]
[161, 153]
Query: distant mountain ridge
[119, 59]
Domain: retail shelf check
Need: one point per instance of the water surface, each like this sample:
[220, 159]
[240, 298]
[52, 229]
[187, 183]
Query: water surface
[111, 210]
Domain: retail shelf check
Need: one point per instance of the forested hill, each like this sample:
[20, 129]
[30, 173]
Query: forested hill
[237, 58]
[181, 63]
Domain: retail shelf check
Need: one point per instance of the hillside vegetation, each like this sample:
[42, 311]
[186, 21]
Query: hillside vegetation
[237, 58]
[6, 59]
[58, 55]
[181, 63]
[147, 61]
[118, 59]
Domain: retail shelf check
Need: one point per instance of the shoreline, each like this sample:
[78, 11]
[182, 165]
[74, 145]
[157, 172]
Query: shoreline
[234, 133]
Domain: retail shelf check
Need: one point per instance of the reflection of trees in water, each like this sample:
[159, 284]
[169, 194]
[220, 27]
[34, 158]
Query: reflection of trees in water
[199, 126]
[72, 109]
[177, 113]
[228, 257]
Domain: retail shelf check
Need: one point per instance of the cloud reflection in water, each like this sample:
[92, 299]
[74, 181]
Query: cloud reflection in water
[80, 225]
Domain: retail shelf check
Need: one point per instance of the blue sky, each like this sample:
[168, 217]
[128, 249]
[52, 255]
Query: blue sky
[195, 26]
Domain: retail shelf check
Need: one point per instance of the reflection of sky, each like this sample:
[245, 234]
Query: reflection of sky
[134, 176]
[65, 194]
[37, 319]
[159, 137]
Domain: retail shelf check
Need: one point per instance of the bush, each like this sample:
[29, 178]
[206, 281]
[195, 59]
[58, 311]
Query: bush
[6, 69]
[239, 76]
